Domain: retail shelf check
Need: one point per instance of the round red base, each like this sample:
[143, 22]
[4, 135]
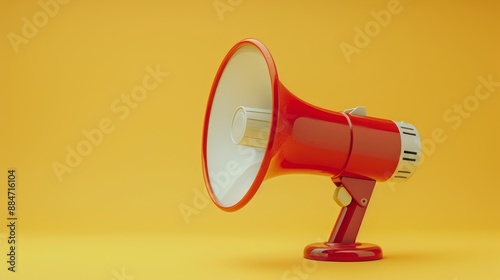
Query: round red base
[339, 252]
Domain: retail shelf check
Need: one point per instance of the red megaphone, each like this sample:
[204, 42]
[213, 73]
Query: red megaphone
[256, 129]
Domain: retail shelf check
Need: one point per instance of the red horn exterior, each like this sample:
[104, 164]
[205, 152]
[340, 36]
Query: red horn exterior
[309, 139]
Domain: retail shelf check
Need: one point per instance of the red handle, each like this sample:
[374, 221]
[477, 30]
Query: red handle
[349, 220]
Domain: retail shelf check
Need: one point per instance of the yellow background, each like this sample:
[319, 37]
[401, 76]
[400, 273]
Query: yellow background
[117, 214]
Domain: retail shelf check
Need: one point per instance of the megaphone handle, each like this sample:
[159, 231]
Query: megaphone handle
[349, 220]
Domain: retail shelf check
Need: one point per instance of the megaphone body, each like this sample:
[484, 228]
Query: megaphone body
[256, 129]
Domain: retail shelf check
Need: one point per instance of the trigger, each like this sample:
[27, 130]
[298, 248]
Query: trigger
[342, 197]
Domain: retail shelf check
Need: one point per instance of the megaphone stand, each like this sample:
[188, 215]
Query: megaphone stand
[353, 195]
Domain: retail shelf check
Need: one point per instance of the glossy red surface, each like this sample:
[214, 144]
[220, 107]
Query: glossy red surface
[375, 149]
[339, 252]
[308, 139]
[313, 140]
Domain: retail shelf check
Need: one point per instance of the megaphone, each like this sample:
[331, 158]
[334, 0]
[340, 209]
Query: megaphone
[256, 129]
